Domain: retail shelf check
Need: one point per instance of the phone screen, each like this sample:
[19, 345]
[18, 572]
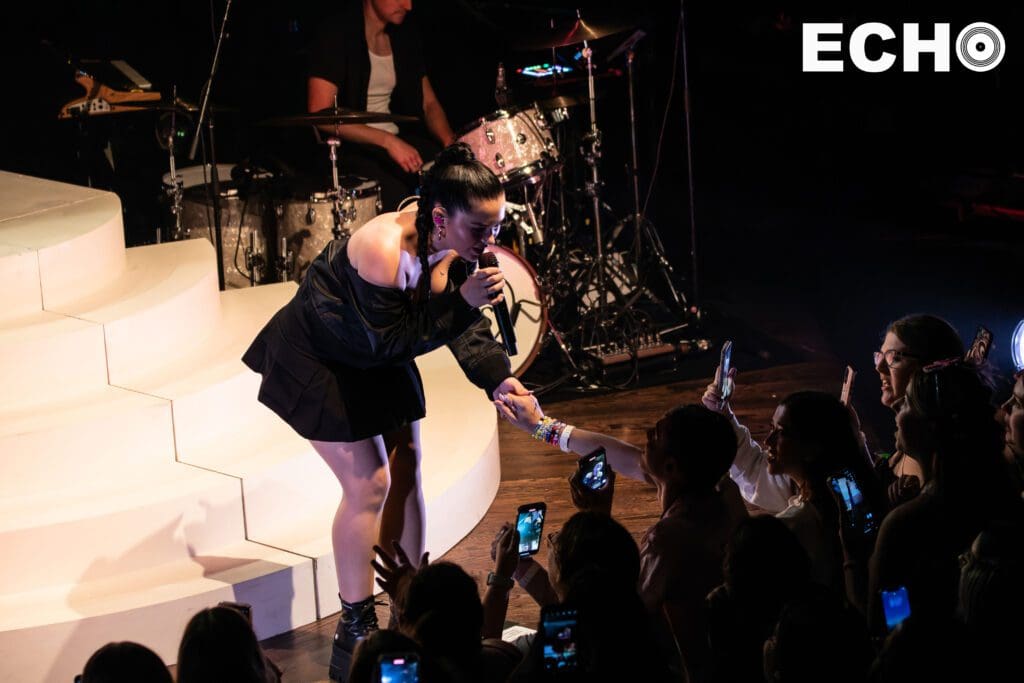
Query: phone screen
[896, 605]
[724, 365]
[398, 669]
[848, 491]
[560, 629]
[594, 469]
[852, 499]
[530, 524]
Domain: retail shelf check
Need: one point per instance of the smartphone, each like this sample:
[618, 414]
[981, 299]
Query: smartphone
[530, 525]
[981, 345]
[724, 365]
[895, 605]
[594, 469]
[398, 667]
[844, 393]
[559, 629]
[848, 494]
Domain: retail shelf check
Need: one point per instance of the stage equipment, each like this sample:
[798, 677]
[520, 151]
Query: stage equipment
[515, 143]
[337, 116]
[307, 221]
[1017, 346]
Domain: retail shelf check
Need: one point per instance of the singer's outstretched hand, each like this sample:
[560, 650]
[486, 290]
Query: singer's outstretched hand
[483, 287]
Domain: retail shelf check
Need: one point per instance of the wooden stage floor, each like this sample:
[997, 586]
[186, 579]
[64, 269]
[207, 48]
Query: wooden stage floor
[531, 471]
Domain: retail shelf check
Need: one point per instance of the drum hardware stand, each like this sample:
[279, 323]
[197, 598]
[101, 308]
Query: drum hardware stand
[254, 261]
[344, 210]
[205, 117]
[175, 193]
[285, 262]
[177, 189]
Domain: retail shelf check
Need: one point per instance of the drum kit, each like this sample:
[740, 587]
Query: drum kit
[557, 288]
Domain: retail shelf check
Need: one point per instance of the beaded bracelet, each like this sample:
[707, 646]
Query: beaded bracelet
[553, 432]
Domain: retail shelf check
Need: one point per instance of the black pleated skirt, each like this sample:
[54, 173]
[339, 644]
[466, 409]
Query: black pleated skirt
[308, 384]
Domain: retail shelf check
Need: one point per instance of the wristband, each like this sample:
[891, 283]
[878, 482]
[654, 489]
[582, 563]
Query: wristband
[563, 439]
[499, 581]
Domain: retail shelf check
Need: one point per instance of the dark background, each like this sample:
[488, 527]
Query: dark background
[826, 204]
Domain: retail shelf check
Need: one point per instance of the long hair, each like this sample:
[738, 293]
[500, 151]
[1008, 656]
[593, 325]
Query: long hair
[220, 645]
[928, 337]
[455, 181]
[968, 462]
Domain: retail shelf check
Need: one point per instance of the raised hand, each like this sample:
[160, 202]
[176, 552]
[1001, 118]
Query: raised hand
[395, 570]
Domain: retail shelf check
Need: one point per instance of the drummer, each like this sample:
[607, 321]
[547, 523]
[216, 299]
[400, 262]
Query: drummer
[371, 58]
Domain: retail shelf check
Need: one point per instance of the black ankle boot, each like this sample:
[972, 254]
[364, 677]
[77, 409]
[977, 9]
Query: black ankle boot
[357, 620]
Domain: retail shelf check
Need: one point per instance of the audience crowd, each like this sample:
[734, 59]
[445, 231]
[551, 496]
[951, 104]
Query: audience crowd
[810, 557]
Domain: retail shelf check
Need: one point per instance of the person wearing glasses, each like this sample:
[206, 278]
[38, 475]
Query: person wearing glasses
[910, 343]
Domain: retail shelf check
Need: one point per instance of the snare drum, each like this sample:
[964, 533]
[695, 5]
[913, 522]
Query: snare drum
[241, 218]
[525, 306]
[307, 221]
[514, 143]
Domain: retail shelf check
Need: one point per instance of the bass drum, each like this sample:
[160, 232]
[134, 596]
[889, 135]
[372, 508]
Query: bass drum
[525, 306]
[307, 220]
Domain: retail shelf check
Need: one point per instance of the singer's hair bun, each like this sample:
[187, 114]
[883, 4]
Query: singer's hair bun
[456, 154]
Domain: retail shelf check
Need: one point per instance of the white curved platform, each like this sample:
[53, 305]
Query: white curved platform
[140, 480]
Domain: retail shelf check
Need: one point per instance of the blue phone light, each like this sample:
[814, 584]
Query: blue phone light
[1017, 346]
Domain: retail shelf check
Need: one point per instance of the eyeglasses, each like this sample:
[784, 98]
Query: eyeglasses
[893, 358]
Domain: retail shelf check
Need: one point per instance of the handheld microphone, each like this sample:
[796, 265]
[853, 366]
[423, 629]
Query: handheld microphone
[508, 335]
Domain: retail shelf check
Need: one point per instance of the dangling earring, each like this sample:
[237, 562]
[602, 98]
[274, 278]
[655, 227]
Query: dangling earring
[441, 232]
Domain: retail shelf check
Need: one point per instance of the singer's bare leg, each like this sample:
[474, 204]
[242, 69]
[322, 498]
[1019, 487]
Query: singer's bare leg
[404, 512]
[362, 469]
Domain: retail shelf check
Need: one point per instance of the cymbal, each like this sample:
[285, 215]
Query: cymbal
[571, 33]
[339, 116]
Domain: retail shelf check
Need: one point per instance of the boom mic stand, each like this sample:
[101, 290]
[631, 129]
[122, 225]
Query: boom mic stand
[214, 176]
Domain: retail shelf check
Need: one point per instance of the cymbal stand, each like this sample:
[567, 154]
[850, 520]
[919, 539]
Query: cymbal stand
[643, 227]
[344, 207]
[175, 191]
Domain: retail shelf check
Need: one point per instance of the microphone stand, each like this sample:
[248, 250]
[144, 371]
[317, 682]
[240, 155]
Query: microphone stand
[214, 176]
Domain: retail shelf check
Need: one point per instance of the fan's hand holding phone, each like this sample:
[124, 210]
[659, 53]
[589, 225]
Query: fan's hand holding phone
[559, 626]
[847, 493]
[530, 525]
[844, 393]
[724, 382]
[594, 469]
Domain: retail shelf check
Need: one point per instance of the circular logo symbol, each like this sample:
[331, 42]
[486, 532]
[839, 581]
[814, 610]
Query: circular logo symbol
[980, 46]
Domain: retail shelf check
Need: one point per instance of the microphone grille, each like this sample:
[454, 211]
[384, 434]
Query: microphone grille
[488, 260]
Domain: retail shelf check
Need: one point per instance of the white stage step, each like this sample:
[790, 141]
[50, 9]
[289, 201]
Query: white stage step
[47, 635]
[77, 234]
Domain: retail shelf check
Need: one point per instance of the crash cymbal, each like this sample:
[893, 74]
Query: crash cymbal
[339, 116]
[571, 33]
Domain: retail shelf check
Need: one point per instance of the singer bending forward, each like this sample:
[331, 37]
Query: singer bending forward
[338, 362]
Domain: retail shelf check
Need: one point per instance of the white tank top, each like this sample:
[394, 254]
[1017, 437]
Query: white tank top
[382, 83]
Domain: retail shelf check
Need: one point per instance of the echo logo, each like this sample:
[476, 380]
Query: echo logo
[979, 47]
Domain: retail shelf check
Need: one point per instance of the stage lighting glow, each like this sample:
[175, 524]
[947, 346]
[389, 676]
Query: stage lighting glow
[1017, 346]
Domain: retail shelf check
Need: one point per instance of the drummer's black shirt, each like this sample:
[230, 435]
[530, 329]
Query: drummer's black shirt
[340, 55]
